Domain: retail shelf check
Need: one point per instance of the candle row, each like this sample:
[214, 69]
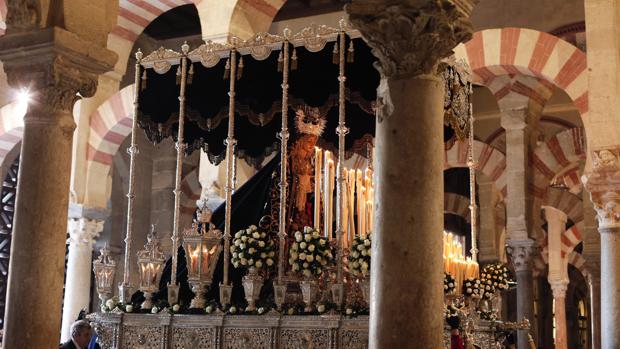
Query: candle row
[358, 203]
[456, 263]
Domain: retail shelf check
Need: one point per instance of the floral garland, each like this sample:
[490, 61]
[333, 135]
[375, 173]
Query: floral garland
[310, 253]
[449, 284]
[252, 248]
[359, 256]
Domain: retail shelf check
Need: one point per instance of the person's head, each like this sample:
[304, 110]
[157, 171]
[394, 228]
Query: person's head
[81, 332]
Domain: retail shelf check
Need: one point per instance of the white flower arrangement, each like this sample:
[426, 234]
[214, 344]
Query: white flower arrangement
[310, 253]
[473, 287]
[252, 248]
[496, 275]
[449, 284]
[359, 256]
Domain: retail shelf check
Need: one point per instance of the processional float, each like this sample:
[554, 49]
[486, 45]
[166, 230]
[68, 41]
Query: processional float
[298, 266]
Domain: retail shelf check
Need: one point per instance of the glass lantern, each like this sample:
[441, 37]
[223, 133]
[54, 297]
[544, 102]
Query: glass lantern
[202, 243]
[151, 263]
[104, 268]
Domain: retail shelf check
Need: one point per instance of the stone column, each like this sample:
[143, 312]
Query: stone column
[558, 271]
[409, 38]
[602, 183]
[521, 248]
[162, 196]
[521, 253]
[559, 287]
[592, 255]
[489, 249]
[517, 111]
[55, 64]
[82, 235]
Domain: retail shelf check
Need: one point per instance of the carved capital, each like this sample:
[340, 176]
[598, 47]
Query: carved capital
[521, 253]
[603, 183]
[83, 231]
[55, 65]
[410, 37]
[559, 287]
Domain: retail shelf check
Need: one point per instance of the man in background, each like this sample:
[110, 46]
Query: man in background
[81, 333]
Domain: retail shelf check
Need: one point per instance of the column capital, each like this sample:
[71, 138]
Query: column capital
[83, 231]
[55, 65]
[410, 37]
[552, 213]
[603, 183]
[559, 287]
[521, 253]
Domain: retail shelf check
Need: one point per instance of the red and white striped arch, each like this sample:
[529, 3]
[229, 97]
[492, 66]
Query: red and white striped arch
[3, 12]
[576, 260]
[11, 133]
[457, 205]
[490, 161]
[570, 239]
[561, 151]
[109, 126]
[513, 51]
[133, 17]
[569, 203]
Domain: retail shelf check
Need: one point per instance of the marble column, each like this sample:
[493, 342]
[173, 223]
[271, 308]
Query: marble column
[559, 287]
[55, 65]
[515, 116]
[162, 192]
[409, 38]
[558, 271]
[521, 253]
[592, 255]
[489, 246]
[83, 233]
[602, 183]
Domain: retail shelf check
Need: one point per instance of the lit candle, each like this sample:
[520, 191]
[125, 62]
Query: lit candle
[326, 208]
[351, 178]
[318, 155]
[359, 186]
[330, 196]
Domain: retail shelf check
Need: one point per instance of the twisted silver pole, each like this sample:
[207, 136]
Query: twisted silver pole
[284, 135]
[471, 163]
[341, 130]
[125, 287]
[226, 288]
[173, 288]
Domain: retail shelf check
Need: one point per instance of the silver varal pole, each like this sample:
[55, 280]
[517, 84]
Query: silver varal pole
[125, 287]
[226, 287]
[173, 288]
[471, 163]
[284, 135]
[341, 130]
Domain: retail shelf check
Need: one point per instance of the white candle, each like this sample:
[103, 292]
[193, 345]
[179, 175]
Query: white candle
[330, 196]
[318, 155]
[326, 208]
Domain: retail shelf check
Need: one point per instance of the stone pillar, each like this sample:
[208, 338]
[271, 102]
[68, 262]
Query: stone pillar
[518, 111]
[559, 287]
[162, 196]
[592, 255]
[55, 64]
[521, 253]
[82, 235]
[409, 38]
[489, 247]
[558, 271]
[602, 183]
